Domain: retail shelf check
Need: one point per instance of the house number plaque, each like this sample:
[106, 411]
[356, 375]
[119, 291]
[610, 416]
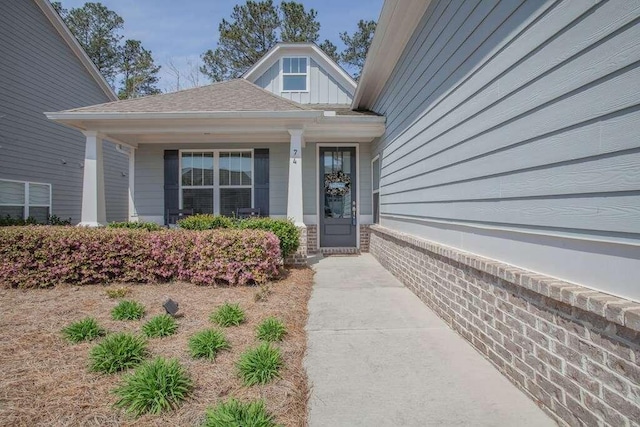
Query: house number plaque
[295, 155]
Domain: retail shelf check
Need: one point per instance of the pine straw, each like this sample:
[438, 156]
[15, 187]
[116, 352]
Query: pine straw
[44, 380]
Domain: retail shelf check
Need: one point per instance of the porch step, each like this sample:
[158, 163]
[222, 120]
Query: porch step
[339, 251]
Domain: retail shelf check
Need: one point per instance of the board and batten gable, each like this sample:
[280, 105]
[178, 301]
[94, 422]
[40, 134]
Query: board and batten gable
[513, 132]
[39, 72]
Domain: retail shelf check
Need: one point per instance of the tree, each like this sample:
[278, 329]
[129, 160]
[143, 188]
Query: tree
[139, 71]
[330, 49]
[298, 25]
[97, 30]
[357, 45]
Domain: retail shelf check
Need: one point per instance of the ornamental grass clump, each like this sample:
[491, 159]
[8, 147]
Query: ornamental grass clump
[155, 386]
[128, 310]
[270, 330]
[119, 292]
[207, 344]
[83, 330]
[260, 365]
[117, 352]
[235, 413]
[162, 325]
[228, 315]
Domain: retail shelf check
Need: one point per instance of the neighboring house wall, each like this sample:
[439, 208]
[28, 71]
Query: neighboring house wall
[512, 133]
[38, 73]
[323, 89]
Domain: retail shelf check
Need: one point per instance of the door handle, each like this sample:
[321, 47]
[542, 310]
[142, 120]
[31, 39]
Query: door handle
[353, 212]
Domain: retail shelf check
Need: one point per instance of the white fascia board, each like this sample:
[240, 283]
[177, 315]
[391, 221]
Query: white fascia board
[71, 40]
[77, 115]
[398, 20]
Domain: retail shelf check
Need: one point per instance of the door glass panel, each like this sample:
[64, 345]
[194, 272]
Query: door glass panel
[337, 184]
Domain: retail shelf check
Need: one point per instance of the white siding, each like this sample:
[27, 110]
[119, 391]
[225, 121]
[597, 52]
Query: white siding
[513, 132]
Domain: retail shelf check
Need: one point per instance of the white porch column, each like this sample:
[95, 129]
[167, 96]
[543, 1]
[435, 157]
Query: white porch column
[93, 203]
[133, 215]
[294, 198]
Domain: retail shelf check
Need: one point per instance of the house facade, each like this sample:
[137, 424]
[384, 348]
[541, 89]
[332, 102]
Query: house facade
[43, 68]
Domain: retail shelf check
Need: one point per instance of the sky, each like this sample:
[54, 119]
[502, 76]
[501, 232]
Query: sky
[179, 32]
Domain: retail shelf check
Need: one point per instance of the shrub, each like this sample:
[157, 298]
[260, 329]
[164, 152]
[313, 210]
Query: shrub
[228, 315]
[207, 344]
[8, 221]
[271, 329]
[37, 256]
[155, 386]
[260, 365]
[119, 292]
[117, 352]
[205, 222]
[83, 330]
[149, 226]
[160, 326]
[285, 230]
[128, 310]
[235, 413]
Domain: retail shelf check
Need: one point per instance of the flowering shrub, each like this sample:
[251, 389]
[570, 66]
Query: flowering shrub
[36, 256]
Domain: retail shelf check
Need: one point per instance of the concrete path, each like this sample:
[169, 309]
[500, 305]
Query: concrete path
[377, 356]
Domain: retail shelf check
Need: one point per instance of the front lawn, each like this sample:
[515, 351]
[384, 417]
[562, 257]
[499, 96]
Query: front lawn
[47, 379]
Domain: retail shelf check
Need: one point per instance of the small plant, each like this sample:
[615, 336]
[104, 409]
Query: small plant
[155, 386]
[207, 344]
[228, 315]
[128, 310]
[83, 330]
[160, 326]
[235, 413]
[149, 226]
[118, 352]
[205, 222]
[262, 294]
[260, 365]
[271, 329]
[119, 292]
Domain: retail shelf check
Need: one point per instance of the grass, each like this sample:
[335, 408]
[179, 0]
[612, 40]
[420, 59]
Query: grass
[128, 310]
[207, 344]
[119, 292]
[162, 325]
[86, 329]
[235, 413]
[155, 386]
[117, 352]
[271, 330]
[260, 365]
[228, 315]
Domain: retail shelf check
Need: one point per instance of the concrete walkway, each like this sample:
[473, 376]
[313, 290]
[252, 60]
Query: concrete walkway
[377, 356]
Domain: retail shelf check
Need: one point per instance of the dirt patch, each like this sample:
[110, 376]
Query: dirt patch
[45, 380]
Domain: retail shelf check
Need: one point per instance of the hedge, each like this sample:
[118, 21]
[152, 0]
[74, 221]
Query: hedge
[37, 256]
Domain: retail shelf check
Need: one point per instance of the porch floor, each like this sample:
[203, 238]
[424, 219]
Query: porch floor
[378, 356]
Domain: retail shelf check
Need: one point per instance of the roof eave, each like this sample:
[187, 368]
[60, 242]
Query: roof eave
[95, 115]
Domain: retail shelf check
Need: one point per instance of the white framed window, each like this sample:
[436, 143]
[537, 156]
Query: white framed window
[375, 188]
[294, 76]
[218, 182]
[23, 199]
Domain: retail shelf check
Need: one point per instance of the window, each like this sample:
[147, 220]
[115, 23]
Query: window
[375, 186]
[216, 182]
[20, 199]
[295, 74]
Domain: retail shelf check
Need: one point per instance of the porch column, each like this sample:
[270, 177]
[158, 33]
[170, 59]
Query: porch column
[93, 203]
[133, 215]
[294, 199]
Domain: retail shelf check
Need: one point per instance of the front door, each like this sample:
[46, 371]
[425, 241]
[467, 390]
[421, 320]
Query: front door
[337, 197]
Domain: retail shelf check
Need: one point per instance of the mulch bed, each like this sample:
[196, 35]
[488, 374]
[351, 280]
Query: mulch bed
[44, 380]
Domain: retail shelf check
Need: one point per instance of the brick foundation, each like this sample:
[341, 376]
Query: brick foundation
[300, 256]
[364, 237]
[573, 350]
[312, 238]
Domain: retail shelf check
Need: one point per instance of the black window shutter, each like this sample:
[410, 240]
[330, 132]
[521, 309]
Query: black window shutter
[171, 181]
[261, 180]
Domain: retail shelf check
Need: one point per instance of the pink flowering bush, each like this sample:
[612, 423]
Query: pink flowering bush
[37, 256]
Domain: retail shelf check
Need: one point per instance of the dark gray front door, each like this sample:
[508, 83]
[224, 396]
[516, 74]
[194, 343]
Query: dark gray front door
[337, 197]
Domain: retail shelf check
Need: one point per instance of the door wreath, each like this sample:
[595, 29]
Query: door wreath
[337, 178]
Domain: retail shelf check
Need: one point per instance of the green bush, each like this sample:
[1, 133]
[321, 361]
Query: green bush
[118, 352]
[155, 386]
[271, 329]
[260, 365]
[149, 226]
[8, 221]
[235, 413]
[83, 330]
[207, 344]
[205, 222]
[162, 325]
[228, 315]
[128, 310]
[285, 230]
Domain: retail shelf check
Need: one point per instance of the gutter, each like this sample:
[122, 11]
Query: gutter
[86, 115]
